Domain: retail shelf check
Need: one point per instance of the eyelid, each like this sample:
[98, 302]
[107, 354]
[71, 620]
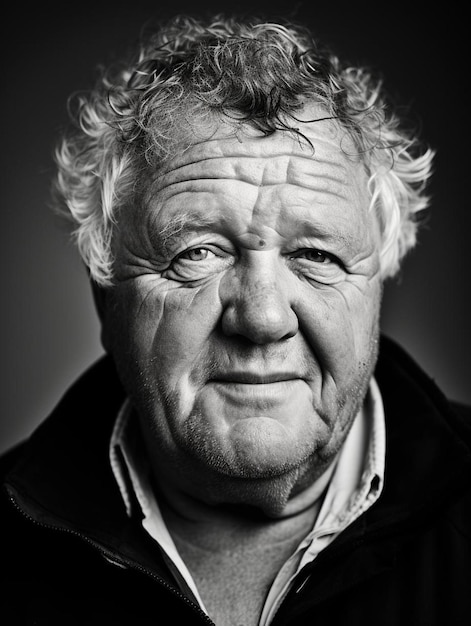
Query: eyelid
[329, 255]
[192, 249]
[216, 250]
[186, 270]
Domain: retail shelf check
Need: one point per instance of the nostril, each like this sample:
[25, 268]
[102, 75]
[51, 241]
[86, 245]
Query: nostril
[260, 322]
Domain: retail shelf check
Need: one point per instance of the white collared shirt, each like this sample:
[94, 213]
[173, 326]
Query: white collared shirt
[355, 484]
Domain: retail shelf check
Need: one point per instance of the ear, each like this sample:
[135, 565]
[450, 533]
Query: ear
[101, 304]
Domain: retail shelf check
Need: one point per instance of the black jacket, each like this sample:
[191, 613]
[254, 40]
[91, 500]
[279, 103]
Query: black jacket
[71, 556]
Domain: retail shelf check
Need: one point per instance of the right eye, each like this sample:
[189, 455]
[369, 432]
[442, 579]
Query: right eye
[198, 263]
[196, 254]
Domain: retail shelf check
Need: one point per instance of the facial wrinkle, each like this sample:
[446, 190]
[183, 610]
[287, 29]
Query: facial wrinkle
[254, 146]
[164, 232]
[275, 208]
[297, 169]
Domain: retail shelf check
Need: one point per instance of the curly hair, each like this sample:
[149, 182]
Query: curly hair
[246, 72]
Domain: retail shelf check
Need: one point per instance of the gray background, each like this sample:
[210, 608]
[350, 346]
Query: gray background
[49, 330]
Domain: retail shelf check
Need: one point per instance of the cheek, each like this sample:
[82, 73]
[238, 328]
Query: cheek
[136, 312]
[340, 324]
[366, 314]
[166, 329]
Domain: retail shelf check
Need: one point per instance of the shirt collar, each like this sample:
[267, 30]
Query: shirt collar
[359, 474]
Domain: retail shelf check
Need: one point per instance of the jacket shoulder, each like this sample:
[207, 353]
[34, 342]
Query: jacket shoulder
[464, 411]
[9, 457]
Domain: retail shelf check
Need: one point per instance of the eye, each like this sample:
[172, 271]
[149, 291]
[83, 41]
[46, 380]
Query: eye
[196, 254]
[317, 266]
[198, 263]
[314, 255]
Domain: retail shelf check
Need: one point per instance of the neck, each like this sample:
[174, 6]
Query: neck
[188, 516]
[236, 551]
[187, 485]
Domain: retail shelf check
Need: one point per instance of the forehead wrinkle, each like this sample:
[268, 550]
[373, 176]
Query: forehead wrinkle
[245, 167]
[316, 217]
[169, 228]
[222, 147]
[321, 174]
[209, 190]
[198, 170]
[203, 210]
[301, 171]
[169, 217]
[318, 229]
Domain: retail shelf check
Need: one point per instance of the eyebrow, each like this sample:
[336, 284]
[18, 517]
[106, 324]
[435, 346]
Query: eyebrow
[185, 221]
[192, 221]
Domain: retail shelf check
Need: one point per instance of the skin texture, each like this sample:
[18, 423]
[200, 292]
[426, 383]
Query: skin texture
[245, 315]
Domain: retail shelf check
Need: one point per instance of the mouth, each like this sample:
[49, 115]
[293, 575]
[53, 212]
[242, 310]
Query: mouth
[259, 392]
[251, 378]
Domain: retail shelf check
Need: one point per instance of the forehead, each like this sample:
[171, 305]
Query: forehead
[227, 149]
[226, 175]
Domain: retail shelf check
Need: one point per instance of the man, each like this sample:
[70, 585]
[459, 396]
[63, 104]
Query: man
[251, 450]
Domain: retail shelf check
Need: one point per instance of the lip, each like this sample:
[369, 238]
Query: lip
[251, 378]
[259, 392]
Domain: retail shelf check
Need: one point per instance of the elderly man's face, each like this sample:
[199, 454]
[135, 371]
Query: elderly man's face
[245, 318]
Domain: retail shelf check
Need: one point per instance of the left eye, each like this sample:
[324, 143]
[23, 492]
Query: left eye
[311, 254]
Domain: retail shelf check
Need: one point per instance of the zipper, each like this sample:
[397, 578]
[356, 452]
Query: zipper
[116, 560]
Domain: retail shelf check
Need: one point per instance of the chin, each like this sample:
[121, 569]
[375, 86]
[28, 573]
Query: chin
[257, 447]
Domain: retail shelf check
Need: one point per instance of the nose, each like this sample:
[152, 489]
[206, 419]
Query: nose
[259, 304]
